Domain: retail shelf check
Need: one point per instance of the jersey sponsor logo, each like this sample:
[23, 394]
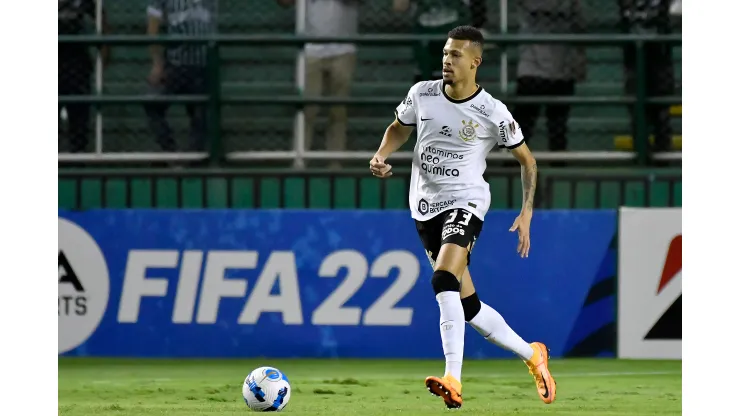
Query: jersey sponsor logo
[430, 159]
[481, 109]
[443, 153]
[406, 103]
[468, 133]
[430, 93]
[446, 131]
[513, 127]
[425, 207]
[507, 130]
[83, 285]
[452, 229]
[456, 223]
[439, 170]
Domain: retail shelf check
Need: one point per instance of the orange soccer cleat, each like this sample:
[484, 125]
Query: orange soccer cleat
[448, 388]
[538, 369]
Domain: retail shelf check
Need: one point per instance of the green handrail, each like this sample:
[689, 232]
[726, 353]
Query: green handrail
[215, 100]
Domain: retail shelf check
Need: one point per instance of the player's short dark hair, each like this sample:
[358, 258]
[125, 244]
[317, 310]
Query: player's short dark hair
[467, 33]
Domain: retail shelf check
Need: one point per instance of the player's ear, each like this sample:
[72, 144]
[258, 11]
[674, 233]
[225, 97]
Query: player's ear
[476, 62]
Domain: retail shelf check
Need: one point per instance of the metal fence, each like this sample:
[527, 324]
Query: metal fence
[566, 188]
[257, 83]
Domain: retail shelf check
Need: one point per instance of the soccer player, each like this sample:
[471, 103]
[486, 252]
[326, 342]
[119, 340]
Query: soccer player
[457, 124]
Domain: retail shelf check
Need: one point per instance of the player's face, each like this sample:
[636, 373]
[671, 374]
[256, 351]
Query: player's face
[460, 59]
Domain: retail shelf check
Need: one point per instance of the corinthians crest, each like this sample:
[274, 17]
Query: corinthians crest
[467, 133]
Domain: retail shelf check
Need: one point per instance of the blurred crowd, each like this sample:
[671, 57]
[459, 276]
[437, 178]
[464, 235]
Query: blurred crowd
[541, 70]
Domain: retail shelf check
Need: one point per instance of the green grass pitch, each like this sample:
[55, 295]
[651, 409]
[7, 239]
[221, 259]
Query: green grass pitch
[366, 387]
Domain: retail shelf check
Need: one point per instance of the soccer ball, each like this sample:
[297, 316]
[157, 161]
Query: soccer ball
[266, 389]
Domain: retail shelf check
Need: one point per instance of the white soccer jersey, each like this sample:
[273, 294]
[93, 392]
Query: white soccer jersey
[453, 139]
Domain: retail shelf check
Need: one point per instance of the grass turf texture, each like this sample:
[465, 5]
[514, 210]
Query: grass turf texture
[365, 387]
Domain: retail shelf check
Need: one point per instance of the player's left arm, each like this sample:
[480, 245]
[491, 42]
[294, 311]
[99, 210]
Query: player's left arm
[510, 136]
[529, 184]
[529, 175]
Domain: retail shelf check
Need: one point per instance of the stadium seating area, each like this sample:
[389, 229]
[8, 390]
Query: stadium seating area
[386, 71]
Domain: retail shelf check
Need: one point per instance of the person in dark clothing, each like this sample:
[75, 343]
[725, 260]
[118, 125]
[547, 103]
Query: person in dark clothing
[433, 17]
[179, 69]
[76, 68]
[479, 13]
[549, 69]
[650, 17]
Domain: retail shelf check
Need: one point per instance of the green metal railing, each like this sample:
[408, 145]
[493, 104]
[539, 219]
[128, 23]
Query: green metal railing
[563, 188]
[215, 100]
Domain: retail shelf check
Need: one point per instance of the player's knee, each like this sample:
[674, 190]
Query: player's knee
[471, 306]
[444, 281]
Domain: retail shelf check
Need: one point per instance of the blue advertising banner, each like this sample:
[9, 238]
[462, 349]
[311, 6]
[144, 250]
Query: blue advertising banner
[284, 283]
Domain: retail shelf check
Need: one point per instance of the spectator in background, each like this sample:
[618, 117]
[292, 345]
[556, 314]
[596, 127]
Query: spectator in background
[650, 17]
[437, 17]
[76, 68]
[330, 67]
[675, 8]
[549, 69]
[179, 69]
[479, 12]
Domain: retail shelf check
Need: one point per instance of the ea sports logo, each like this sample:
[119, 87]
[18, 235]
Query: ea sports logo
[83, 285]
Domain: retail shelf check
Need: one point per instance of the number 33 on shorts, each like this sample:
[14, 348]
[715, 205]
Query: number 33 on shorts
[457, 228]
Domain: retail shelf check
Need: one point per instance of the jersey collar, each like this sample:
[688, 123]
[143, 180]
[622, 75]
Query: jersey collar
[463, 100]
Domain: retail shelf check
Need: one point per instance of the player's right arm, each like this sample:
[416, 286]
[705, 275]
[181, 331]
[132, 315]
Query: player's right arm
[395, 136]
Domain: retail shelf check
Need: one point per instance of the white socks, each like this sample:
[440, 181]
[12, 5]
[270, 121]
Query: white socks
[494, 328]
[452, 329]
[487, 322]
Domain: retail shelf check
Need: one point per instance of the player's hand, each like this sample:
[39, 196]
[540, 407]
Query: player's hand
[379, 168]
[521, 224]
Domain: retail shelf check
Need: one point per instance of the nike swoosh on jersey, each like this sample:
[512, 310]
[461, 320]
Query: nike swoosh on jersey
[426, 119]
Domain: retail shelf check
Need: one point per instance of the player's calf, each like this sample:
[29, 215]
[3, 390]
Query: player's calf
[451, 320]
[446, 285]
[489, 323]
[452, 330]
[494, 328]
